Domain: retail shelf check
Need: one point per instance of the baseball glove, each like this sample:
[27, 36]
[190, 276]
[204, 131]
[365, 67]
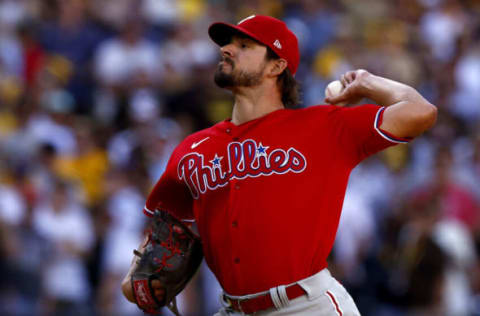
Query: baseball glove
[170, 258]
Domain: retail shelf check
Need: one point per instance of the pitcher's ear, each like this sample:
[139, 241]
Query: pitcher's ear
[278, 66]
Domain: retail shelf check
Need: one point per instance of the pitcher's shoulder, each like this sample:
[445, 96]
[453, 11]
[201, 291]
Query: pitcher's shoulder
[314, 111]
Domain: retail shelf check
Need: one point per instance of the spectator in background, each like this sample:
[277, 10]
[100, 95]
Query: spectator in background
[438, 217]
[67, 227]
[120, 60]
[467, 75]
[161, 13]
[11, 13]
[316, 22]
[10, 56]
[121, 236]
[442, 27]
[456, 202]
[22, 249]
[113, 13]
[88, 165]
[74, 37]
[128, 67]
[426, 279]
[185, 51]
[12, 205]
[33, 53]
[52, 126]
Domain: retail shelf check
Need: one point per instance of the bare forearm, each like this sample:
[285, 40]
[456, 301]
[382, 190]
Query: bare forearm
[387, 92]
[408, 114]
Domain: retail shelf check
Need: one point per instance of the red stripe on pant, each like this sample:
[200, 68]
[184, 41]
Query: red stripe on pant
[335, 303]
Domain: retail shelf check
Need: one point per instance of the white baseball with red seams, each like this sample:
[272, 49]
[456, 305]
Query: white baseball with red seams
[333, 89]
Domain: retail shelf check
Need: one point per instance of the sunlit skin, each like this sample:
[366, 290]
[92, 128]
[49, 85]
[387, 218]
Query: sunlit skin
[254, 78]
[243, 61]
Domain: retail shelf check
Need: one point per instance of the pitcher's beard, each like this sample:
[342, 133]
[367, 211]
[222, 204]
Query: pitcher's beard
[236, 79]
[222, 79]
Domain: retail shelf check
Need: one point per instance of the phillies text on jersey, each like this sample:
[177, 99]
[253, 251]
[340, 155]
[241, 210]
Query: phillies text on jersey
[245, 159]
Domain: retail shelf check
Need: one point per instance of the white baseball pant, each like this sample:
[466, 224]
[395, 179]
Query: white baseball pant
[325, 296]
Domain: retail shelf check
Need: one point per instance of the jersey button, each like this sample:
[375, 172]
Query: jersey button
[234, 224]
[237, 186]
[236, 260]
[228, 130]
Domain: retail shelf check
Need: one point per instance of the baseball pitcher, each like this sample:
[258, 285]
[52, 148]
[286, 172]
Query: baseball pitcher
[266, 186]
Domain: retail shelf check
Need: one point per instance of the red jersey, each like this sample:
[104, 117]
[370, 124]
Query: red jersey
[267, 194]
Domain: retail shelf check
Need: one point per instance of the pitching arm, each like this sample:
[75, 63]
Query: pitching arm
[408, 114]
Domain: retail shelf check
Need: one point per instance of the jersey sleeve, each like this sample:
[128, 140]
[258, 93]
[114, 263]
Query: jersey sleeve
[170, 193]
[358, 131]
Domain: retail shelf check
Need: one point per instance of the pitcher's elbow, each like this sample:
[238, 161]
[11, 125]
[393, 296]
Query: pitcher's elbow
[430, 116]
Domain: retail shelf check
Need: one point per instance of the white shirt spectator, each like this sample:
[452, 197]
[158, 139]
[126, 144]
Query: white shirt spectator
[126, 229]
[112, 12]
[41, 129]
[454, 238]
[117, 61]
[161, 11]
[186, 50]
[12, 206]
[11, 56]
[70, 227]
[11, 13]
[355, 231]
[441, 29]
[467, 77]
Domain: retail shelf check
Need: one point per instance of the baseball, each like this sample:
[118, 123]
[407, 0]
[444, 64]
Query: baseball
[334, 88]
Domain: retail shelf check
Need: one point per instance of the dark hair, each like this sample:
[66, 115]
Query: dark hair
[289, 87]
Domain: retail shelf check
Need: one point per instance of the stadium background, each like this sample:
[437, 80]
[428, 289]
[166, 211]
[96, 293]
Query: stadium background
[94, 95]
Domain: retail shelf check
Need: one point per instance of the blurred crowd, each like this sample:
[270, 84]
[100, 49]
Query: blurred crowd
[94, 96]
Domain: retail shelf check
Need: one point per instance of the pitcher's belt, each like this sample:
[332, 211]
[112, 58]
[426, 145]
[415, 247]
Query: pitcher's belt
[264, 300]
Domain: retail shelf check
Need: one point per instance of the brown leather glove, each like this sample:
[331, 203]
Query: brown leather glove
[171, 257]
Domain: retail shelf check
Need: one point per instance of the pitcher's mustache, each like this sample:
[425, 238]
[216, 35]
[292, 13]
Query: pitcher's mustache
[228, 60]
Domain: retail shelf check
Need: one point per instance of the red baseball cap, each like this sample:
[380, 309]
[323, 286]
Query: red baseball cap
[266, 30]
